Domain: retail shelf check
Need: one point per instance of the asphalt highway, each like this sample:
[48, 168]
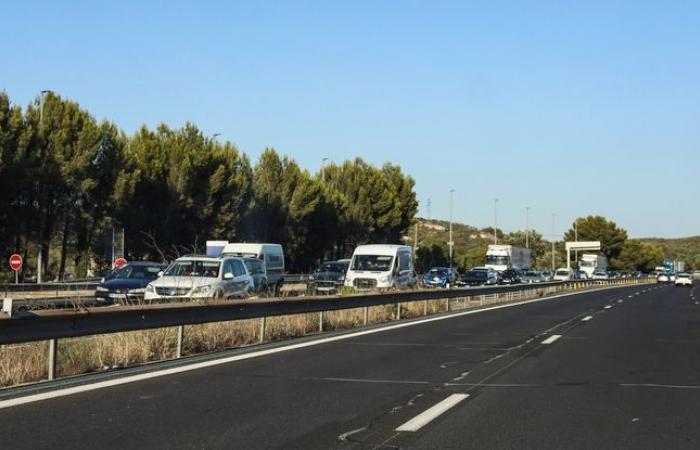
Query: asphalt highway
[616, 368]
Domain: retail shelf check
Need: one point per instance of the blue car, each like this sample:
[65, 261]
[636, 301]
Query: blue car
[128, 283]
[439, 277]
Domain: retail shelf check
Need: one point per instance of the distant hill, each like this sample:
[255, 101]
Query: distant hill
[686, 249]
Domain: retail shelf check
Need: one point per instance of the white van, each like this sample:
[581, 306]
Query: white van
[381, 266]
[271, 254]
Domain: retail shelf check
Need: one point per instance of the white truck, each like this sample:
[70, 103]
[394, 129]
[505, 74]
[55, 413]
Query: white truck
[504, 257]
[381, 267]
[591, 262]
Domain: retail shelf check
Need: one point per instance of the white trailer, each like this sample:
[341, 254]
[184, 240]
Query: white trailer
[591, 262]
[504, 257]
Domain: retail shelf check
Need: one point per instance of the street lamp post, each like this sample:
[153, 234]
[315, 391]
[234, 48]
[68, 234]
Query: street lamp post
[576, 240]
[527, 227]
[451, 243]
[323, 166]
[495, 221]
[553, 239]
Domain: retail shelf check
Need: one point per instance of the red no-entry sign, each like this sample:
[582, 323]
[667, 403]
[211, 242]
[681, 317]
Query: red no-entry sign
[118, 263]
[15, 262]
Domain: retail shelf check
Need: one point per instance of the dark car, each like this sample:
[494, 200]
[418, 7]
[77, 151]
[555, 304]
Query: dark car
[475, 278]
[328, 278]
[509, 276]
[128, 283]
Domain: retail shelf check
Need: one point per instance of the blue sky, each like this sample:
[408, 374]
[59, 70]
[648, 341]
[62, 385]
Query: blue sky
[574, 109]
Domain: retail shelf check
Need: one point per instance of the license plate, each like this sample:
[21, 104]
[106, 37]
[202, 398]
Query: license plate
[121, 296]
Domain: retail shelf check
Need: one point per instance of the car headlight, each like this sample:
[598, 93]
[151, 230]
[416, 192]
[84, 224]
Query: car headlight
[137, 291]
[311, 277]
[202, 289]
[150, 288]
[341, 278]
[385, 278]
[101, 289]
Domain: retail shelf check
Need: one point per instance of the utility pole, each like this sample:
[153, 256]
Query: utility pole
[323, 167]
[576, 240]
[553, 239]
[495, 221]
[429, 204]
[527, 227]
[451, 243]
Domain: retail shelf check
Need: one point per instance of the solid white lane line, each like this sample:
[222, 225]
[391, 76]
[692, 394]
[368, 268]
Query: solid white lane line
[430, 414]
[654, 385]
[256, 354]
[586, 319]
[551, 339]
[607, 307]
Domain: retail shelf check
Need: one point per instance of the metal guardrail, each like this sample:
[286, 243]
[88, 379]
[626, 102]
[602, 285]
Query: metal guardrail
[27, 326]
[48, 287]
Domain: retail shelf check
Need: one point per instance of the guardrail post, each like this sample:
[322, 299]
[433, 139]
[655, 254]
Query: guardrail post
[7, 306]
[425, 307]
[53, 358]
[180, 335]
[398, 311]
[366, 314]
[482, 299]
[320, 322]
[263, 321]
[448, 304]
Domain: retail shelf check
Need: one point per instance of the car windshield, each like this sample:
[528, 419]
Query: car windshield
[375, 263]
[194, 268]
[562, 272]
[333, 267]
[437, 272]
[137, 271]
[497, 260]
[531, 273]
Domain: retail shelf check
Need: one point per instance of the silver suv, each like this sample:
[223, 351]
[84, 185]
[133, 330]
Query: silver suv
[202, 277]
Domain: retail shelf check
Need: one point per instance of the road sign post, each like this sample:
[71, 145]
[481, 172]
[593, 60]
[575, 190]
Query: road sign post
[16, 265]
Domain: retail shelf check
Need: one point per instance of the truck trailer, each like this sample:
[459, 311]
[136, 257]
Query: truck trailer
[504, 257]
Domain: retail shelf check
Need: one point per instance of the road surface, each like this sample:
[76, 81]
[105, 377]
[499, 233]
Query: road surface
[617, 368]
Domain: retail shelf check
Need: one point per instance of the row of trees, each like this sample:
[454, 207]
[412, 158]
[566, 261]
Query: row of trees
[68, 179]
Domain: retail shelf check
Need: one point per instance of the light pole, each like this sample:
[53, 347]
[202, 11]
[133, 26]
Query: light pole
[41, 107]
[451, 243]
[553, 239]
[495, 221]
[576, 240]
[527, 227]
[323, 166]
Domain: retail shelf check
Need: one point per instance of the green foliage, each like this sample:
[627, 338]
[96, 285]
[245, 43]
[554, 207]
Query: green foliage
[431, 256]
[67, 179]
[598, 228]
[638, 255]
